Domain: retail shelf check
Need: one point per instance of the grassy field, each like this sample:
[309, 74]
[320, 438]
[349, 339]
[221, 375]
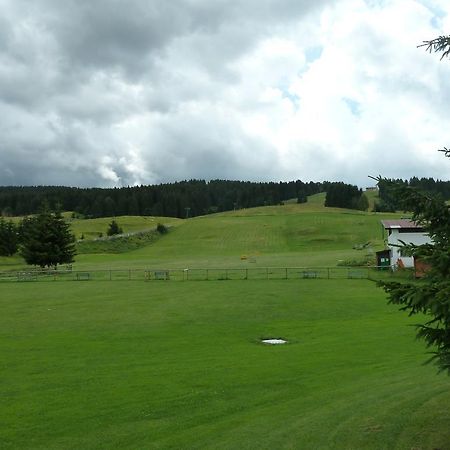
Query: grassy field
[180, 365]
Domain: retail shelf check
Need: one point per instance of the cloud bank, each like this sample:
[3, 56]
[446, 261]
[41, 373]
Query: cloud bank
[111, 93]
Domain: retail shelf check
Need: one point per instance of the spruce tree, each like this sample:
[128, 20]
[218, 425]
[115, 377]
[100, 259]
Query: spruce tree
[46, 240]
[113, 228]
[431, 296]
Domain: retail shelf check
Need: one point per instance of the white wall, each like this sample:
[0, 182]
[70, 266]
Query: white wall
[409, 238]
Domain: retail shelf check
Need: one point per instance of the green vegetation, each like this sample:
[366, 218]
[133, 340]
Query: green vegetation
[179, 365]
[193, 197]
[344, 195]
[170, 365]
[113, 229]
[46, 240]
[9, 238]
[289, 235]
[92, 228]
[431, 297]
[118, 244]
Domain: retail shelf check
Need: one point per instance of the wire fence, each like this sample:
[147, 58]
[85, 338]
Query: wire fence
[208, 274]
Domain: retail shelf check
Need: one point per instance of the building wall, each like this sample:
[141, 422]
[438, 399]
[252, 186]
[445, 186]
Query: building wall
[409, 238]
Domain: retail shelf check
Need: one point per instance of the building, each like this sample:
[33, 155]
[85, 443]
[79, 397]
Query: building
[407, 231]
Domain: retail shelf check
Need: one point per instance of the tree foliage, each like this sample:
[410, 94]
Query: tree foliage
[46, 239]
[161, 228]
[432, 295]
[8, 237]
[169, 199]
[439, 44]
[342, 195]
[113, 229]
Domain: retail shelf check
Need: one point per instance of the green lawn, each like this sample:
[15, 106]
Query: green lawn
[179, 365]
[166, 365]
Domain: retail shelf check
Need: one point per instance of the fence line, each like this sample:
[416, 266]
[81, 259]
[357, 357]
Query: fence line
[204, 274]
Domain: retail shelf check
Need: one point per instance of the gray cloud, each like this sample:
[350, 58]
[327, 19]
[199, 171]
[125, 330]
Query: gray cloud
[109, 92]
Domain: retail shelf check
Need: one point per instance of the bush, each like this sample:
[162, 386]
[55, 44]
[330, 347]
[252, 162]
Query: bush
[114, 229]
[161, 228]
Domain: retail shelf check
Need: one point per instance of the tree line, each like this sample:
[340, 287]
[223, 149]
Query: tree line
[390, 202]
[44, 240]
[181, 199]
[342, 195]
[196, 197]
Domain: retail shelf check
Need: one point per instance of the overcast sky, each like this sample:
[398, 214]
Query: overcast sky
[116, 93]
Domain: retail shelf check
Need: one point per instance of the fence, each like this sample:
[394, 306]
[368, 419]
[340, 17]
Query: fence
[209, 274]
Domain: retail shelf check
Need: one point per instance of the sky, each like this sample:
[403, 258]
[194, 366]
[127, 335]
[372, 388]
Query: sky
[120, 93]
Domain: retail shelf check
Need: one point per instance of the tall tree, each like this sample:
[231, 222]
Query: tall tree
[431, 296]
[46, 239]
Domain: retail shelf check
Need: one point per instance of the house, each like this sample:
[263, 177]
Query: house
[407, 231]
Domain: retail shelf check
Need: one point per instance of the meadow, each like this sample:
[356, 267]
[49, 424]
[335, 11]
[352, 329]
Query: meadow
[180, 365]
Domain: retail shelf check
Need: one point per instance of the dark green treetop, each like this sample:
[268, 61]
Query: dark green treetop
[113, 228]
[46, 239]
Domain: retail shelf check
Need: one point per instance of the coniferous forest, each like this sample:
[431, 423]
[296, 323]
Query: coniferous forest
[181, 199]
[187, 198]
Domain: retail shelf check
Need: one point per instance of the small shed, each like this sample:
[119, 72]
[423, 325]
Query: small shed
[383, 259]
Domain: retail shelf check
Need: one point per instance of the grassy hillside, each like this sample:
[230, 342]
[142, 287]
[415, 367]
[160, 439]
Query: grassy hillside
[92, 228]
[287, 235]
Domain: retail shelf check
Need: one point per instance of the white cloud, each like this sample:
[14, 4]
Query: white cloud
[238, 90]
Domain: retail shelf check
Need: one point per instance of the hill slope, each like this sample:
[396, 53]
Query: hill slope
[286, 235]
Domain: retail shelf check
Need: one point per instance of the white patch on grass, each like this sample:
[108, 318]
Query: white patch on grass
[274, 341]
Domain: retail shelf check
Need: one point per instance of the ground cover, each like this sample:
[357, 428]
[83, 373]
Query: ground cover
[179, 365]
[120, 243]
[286, 235]
[93, 228]
[290, 235]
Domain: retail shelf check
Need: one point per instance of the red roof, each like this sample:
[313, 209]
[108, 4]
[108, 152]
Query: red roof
[402, 223]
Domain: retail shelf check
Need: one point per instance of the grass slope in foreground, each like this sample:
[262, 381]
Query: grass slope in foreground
[163, 365]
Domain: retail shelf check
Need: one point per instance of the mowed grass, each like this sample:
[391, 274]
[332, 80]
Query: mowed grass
[166, 365]
[286, 235]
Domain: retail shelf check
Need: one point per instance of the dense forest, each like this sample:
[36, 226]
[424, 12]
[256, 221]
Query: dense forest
[342, 195]
[182, 199]
[389, 201]
[191, 198]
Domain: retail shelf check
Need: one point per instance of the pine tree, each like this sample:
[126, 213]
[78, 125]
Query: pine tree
[113, 228]
[431, 296]
[8, 238]
[46, 240]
